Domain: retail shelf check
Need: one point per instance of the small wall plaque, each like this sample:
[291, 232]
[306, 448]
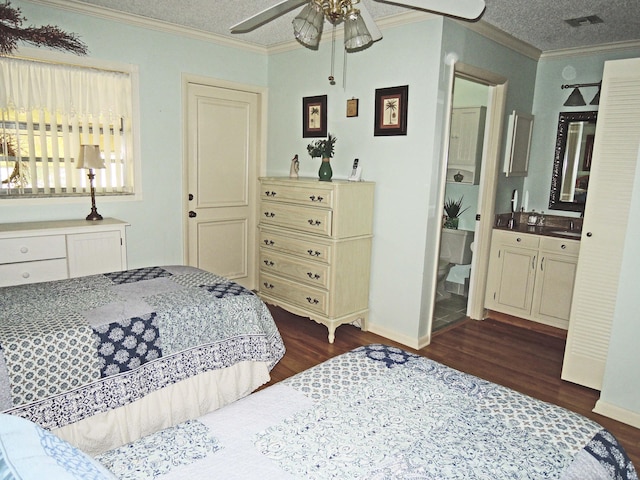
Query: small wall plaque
[352, 107]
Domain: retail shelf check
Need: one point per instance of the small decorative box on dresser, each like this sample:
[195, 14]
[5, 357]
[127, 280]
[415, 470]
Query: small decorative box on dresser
[33, 252]
[315, 248]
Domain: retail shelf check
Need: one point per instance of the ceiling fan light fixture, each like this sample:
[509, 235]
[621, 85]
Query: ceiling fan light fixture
[356, 33]
[307, 26]
[575, 99]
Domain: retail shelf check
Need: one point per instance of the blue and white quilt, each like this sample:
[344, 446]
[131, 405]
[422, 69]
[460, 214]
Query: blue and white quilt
[73, 348]
[381, 413]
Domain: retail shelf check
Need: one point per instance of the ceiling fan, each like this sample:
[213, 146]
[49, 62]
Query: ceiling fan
[360, 30]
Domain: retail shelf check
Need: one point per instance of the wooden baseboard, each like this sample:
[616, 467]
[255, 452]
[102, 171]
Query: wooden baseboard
[527, 324]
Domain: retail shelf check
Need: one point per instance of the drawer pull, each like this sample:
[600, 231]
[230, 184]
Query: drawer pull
[518, 239]
[26, 275]
[24, 249]
[269, 242]
[315, 301]
[269, 263]
[313, 276]
[563, 246]
[269, 214]
[270, 194]
[316, 199]
[268, 285]
[314, 222]
[314, 253]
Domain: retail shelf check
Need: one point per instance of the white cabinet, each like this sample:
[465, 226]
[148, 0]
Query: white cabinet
[532, 276]
[611, 182]
[315, 248]
[465, 144]
[33, 252]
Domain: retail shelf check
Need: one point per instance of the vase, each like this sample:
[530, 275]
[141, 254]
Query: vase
[325, 173]
[451, 223]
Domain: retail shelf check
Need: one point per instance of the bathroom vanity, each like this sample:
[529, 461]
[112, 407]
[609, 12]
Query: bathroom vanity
[532, 273]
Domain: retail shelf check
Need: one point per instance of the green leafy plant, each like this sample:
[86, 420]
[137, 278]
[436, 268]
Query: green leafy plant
[453, 208]
[322, 148]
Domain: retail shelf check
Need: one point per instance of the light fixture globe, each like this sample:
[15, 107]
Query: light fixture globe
[356, 34]
[307, 26]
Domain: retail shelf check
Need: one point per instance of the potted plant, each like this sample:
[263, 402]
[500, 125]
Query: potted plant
[323, 148]
[452, 211]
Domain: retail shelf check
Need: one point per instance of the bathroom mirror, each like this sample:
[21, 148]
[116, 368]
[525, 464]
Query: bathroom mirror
[572, 160]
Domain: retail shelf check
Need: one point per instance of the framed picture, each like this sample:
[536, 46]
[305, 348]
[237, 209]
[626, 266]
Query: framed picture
[314, 116]
[352, 107]
[391, 111]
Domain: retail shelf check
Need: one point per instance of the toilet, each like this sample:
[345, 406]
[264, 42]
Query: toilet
[455, 252]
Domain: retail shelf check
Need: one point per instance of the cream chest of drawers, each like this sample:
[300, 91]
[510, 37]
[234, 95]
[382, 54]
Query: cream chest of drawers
[315, 248]
[33, 252]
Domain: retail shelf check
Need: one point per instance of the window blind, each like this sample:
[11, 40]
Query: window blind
[46, 112]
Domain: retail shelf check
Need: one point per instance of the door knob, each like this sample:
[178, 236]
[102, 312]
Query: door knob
[192, 214]
[589, 234]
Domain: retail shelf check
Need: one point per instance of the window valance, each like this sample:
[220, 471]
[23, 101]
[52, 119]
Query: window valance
[27, 85]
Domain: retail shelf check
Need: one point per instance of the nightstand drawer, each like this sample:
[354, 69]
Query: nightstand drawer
[28, 249]
[33, 272]
[305, 219]
[307, 297]
[313, 273]
[301, 195]
[299, 246]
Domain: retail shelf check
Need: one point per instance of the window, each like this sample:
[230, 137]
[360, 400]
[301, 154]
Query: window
[46, 112]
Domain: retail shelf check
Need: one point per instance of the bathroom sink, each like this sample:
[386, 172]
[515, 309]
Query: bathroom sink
[566, 233]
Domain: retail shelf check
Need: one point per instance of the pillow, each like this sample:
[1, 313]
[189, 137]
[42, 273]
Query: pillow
[28, 452]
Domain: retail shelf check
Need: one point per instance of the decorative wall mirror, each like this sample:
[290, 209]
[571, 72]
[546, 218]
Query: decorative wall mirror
[572, 160]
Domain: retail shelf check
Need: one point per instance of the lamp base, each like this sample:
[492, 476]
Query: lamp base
[94, 215]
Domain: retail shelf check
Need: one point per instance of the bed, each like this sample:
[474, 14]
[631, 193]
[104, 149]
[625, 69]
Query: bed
[379, 412]
[104, 360]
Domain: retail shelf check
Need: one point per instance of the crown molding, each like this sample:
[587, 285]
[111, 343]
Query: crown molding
[503, 38]
[148, 23]
[592, 50]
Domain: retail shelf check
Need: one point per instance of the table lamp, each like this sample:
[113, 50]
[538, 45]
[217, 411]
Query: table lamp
[90, 158]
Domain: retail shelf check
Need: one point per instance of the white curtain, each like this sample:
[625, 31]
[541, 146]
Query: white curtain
[29, 85]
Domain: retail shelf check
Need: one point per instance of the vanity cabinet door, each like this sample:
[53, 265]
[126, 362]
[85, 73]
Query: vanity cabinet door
[511, 276]
[554, 289]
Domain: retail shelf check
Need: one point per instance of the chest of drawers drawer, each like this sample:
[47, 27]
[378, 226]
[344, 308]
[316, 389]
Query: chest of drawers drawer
[313, 273]
[295, 245]
[309, 298]
[304, 219]
[28, 249]
[33, 272]
[311, 196]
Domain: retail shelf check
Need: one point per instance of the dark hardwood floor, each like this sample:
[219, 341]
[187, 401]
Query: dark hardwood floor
[513, 353]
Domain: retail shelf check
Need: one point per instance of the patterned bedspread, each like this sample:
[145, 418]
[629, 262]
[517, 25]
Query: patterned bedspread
[73, 348]
[380, 413]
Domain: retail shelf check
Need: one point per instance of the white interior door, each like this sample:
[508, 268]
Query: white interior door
[615, 159]
[222, 146]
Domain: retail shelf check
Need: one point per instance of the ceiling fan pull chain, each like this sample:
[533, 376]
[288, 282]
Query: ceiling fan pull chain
[332, 80]
[344, 70]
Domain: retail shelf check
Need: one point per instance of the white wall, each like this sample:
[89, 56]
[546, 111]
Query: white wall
[399, 165]
[155, 236]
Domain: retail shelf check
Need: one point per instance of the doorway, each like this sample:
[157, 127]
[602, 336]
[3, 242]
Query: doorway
[495, 87]
[464, 167]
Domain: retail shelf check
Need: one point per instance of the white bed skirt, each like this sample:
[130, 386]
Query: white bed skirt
[182, 401]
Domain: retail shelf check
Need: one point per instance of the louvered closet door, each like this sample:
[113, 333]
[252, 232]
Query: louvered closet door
[615, 158]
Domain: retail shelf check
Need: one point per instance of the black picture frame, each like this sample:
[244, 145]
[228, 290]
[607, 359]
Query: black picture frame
[391, 106]
[314, 116]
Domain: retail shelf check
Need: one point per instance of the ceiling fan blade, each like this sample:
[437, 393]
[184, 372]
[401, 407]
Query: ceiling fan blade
[469, 9]
[375, 32]
[266, 15]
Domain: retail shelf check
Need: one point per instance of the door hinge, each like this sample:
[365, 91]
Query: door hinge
[477, 217]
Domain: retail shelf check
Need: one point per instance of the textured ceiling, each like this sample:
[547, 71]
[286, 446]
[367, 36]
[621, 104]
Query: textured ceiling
[539, 23]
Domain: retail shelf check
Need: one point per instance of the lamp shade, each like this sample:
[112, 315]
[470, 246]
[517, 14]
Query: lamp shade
[89, 157]
[307, 26]
[575, 99]
[356, 34]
